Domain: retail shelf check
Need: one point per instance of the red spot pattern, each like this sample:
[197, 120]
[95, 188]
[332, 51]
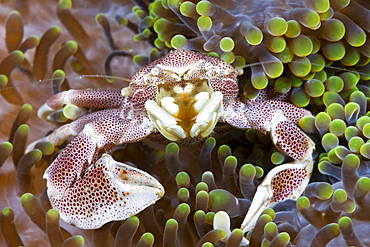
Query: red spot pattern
[67, 167]
[259, 113]
[57, 101]
[292, 112]
[292, 141]
[87, 98]
[99, 196]
[286, 182]
[270, 93]
[238, 117]
[177, 60]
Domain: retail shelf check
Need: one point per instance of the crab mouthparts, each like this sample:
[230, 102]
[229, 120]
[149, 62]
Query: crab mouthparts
[186, 115]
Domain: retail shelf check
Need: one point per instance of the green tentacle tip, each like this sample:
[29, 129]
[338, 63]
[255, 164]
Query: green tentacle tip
[179, 42]
[314, 88]
[227, 44]
[333, 229]
[139, 37]
[46, 148]
[270, 212]
[302, 46]
[334, 83]
[205, 8]
[172, 223]
[204, 23]
[274, 70]
[231, 161]
[337, 127]
[300, 97]
[325, 191]
[140, 60]
[201, 186]
[209, 218]
[27, 197]
[303, 203]
[7, 212]
[310, 19]
[329, 141]
[300, 66]
[254, 35]
[345, 222]
[363, 185]
[133, 221]
[59, 73]
[340, 196]
[183, 194]
[16, 56]
[65, 4]
[228, 57]
[259, 81]
[265, 218]
[76, 241]
[277, 26]
[188, 9]
[56, 30]
[320, 6]
[210, 142]
[270, 228]
[53, 214]
[183, 209]
[146, 33]
[276, 44]
[293, 29]
[159, 44]
[23, 129]
[3, 81]
[282, 239]
[282, 85]
[248, 171]
[6, 148]
[333, 30]
[123, 21]
[259, 172]
[277, 158]
[163, 26]
[207, 244]
[182, 179]
[172, 149]
[351, 162]
[365, 150]
[308, 124]
[334, 50]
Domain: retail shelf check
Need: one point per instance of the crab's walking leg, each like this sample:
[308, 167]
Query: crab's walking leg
[89, 193]
[286, 181]
[81, 98]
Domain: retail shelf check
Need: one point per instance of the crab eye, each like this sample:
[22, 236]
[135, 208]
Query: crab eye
[154, 71]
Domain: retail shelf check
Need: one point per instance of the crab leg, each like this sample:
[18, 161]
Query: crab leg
[82, 98]
[88, 191]
[286, 181]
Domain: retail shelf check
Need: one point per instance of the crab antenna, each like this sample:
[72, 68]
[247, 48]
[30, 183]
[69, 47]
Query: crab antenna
[326, 66]
[69, 77]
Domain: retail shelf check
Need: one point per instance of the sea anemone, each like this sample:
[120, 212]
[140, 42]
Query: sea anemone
[314, 50]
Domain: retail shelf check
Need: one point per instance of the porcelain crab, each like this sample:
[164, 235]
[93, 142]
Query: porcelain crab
[182, 95]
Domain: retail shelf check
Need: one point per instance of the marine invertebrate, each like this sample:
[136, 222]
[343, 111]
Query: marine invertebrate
[92, 64]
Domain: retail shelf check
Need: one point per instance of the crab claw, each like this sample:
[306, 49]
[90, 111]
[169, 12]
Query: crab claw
[283, 182]
[109, 190]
